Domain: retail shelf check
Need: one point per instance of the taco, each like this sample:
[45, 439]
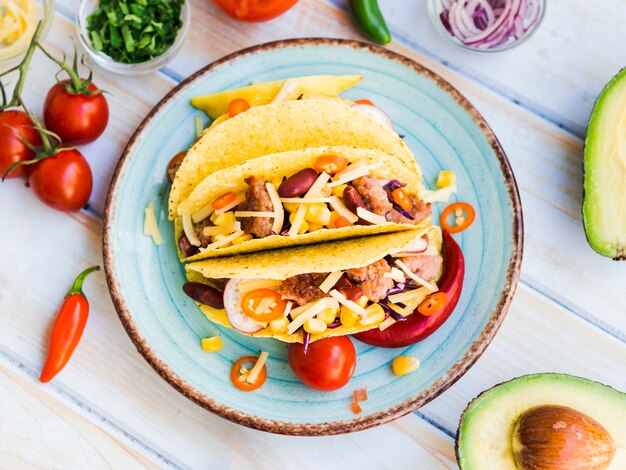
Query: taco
[273, 128]
[297, 198]
[312, 292]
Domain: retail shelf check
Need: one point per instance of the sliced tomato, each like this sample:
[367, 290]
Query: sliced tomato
[401, 198]
[432, 303]
[223, 201]
[255, 10]
[263, 305]
[239, 379]
[237, 106]
[341, 221]
[331, 164]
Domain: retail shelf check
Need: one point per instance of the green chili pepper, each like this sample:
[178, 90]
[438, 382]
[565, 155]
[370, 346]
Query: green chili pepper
[369, 18]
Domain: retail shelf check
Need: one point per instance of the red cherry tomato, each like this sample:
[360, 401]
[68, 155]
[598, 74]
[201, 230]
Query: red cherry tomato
[13, 124]
[77, 118]
[328, 364]
[62, 181]
[255, 10]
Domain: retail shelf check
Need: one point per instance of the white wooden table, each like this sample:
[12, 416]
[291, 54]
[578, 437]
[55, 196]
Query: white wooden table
[109, 409]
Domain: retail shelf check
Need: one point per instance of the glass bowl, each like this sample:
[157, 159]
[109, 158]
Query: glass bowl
[142, 68]
[44, 11]
[435, 7]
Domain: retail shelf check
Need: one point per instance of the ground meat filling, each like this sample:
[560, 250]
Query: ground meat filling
[377, 201]
[258, 200]
[303, 288]
[427, 267]
[372, 280]
[204, 239]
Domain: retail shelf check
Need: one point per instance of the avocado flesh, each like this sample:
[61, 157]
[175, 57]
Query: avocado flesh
[604, 205]
[484, 440]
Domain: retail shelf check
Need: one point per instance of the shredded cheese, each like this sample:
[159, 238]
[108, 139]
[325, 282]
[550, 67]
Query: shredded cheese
[239, 198]
[221, 229]
[189, 231]
[288, 308]
[202, 214]
[350, 168]
[330, 281]
[395, 274]
[370, 216]
[415, 277]
[304, 200]
[17, 26]
[256, 370]
[313, 310]
[288, 87]
[413, 294]
[352, 175]
[279, 212]
[301, 212]
[356, 308]
[254, 214]
[440, 195]
[343, 211]
[150, 226]
[199, 125]
[297, 221]
[224, 241]
[318, 185]
[254, 284]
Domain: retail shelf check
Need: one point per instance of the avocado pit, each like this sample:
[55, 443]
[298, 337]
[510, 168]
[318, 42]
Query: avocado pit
[552, 437]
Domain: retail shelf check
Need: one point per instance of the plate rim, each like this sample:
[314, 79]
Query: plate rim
[334, 427]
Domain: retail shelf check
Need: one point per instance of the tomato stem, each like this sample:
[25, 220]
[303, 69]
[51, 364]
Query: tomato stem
[77, 287]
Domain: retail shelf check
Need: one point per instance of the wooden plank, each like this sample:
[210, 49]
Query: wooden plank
[39, 431]
[110, 380]
[537, 336]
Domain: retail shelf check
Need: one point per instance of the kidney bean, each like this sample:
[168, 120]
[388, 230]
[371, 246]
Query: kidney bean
[186, 248]
[352, 199]
[354, 294]
[204, 294]
[343, 283]
[298, 184]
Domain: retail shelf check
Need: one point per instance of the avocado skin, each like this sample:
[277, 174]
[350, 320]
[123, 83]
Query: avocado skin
[547, 376]
[600, 244]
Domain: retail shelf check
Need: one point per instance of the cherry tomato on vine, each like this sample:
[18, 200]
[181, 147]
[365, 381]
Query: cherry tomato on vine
[14, 124]
[77, 118]
[255, 10]
[62, 181]
[328, 364]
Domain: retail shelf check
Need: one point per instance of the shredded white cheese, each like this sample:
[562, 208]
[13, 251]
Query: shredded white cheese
[297, 221]
[301, 212]
[330, 281]
[288, 308]
[370, 216]
[343, 211]
[279, 212]
[239, 198]
[350, 168]
[440, 195]
[413, 294]
[254, 214]
[313, 310]
[224, 241]
[415, 277]
[288, 87]
[150, 226]
[304, 200]
[189, 231]
[202, 214]
[395, 274]
[221, 229]
[346, 177]
[348, 303]
[197, 119]
[318, 185]
[256, 370]
[254, 284]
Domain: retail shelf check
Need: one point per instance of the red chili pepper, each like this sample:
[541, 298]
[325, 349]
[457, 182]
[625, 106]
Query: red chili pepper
[68, 328]
[418, 326]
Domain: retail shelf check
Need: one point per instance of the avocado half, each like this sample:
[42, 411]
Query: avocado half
[486, 430]
[604, 203]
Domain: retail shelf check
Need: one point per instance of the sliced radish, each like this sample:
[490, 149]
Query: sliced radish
[419, 246]
[232, 303]
[376, 113]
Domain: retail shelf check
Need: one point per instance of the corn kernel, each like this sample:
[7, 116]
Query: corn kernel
[314, 326]
[291, 207]
[212, 344]
[374, 314]
[226, 218]
[446, 178]
[328, 315]
[280, 325]
[314, 227]
[241, 239]
[219, 237]
[403, 365]
[304, 227]
[348, 317]
[326, 191]
[317, 214]
[362, 302]
[338, 190]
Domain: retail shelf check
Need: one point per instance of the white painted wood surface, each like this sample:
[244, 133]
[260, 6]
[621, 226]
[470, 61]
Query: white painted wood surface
[108, 409]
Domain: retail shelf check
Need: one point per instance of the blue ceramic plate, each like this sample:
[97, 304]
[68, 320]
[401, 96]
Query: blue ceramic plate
[443, 130]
